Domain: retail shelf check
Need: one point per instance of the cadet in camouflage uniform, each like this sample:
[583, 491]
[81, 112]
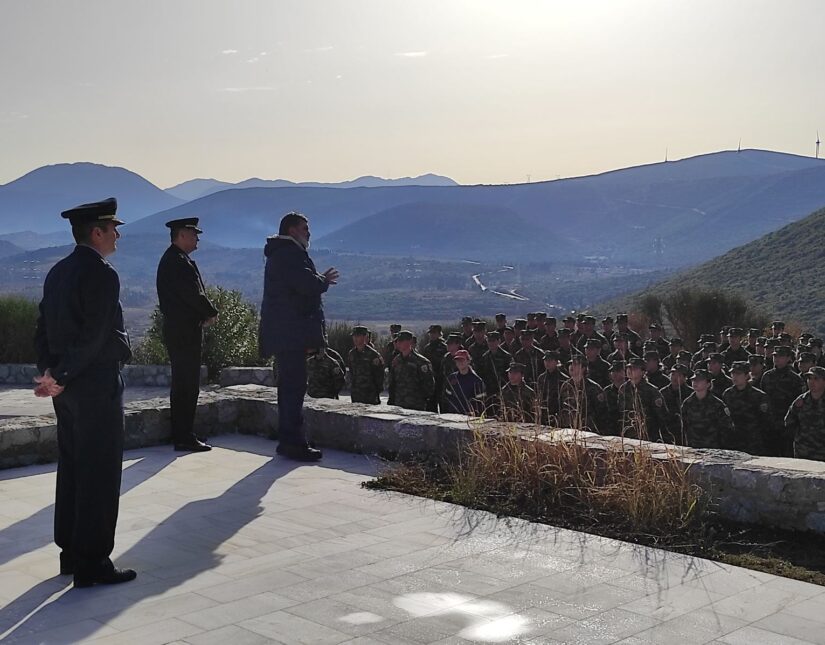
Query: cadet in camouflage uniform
[434, 352]
[366, 369]
[466, 330]
[325, 374]
[501, 323]
[622, 352]
[411, 376]
[805, 420]
[493, 368]
[583, 404]
[749, 412]
[705, 418]
[633, 339]
[804, 364]
[589, 333]
[674, 347]
[607, 332]
[657, 336]
[531, 357]
[734, 352]
[753, 335]
[548, 388]
[757, 365]
[783, 386]
[653, 371]
[719, 380]
[550, 340]
[389, 348]
[642, 407]
[566, 350]
[518, 400]
[598, 369]
[674, 394]
[478, 344]
[618, 375]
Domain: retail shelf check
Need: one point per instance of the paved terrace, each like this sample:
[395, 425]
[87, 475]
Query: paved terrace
[238, 546]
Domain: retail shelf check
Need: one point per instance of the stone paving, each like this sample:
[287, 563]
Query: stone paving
[238, 546]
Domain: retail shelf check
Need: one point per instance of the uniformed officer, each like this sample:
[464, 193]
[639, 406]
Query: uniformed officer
[548, 389]
[783, 386]
[518, 400]
[805, 419]
[653, 370]
[493, 369]
[186, 310]
[434, 352]
[389, 348]
[735, 352]
[598, 369]
[618, 375]
[326, 372]
[674, 346]
[644, 412]
[530, 356]
[411, 376]
[583, 404]
[81, 344]
[366, 369]
[705, 418]
[674, 394]
[749, 412]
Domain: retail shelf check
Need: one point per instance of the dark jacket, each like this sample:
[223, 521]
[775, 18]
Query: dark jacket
[292, 316]
[181, 293]
[81, 320]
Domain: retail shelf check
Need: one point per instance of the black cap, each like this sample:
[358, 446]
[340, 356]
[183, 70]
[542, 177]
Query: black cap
[466, 320]
[454, 339]
[479, 325]
[676, 341]
[565, 333]
[607, 320]
[741, 366]
[360, 330]
[815, 342]
[807, 357]
[551, 355]
[716, 357]
[531, 316]
[550, 320]
[404, 335]
[593, 342]
[702, 375]
[783, 350]
[736, 331]
[578, 359]
[395, 327]
[568, 319]
[778, 324]
[186, 222]
[494, 335]
[651, 355]
[621, 317]
[756, 358]
[753, 332]
[637, 362]
[654, 326]
[434, 329]
[683, 369]
[528, 332]
[815, 372]
[501, 316]
[618, 366]
[516, 367]
[103, 211]
[519, 323]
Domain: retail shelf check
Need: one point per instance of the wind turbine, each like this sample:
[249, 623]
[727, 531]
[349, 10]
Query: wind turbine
[817, 144]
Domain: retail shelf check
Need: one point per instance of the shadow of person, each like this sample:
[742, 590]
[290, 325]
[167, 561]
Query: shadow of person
[192, 535]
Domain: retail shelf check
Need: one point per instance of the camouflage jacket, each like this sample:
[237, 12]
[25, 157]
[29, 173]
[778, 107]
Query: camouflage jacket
[533, 361]
[599, 371]
[434, 352]
[549, 342]
[732, 355]
[325, 374]
[674, 399]
[706, 421]
[642, 406]
[657, 379]
[548, 393]
[477, 350]
[493, 369]
[583, 406]
[782, 387]
[518, 403]
[411, 381]
[613, 414]
[805, 421]
[751, 418]
[719, 383]
[366, 375]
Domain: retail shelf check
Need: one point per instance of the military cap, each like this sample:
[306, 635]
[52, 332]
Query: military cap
[702, 375]
[590, 320]
[753, 333]
[621, 317]
[783, 350]
[709, 345]
[607, 320]
[683, 369]
[404, 335]
[741, 366]
[360, 330]
[618, 366]
[676, 342]
[550, 320]
[494, 335]
[541, 314]
[454, 338]
[807, 357]
[186, 222]
[520, 323]
[815, 372]
[479, 325]
[772, 342]
[735, 331]
[103, 211]
[462, 354]
[778, 324]
[637, 362]
[756, 358]
[580, 318]
[434, 329]
[568, 319]
[531, 316]
[815, 342]
[564, 333]
[684, 354]
[806, 335]
[528, 332]
[551, 355]
[501, 316]
[466, 320]
[508, 328]
[649, 356]
[715, 356]
[761, 341]
[654, 326]
[516, 367]
[649, 344]
[395, 328]
[593, 342]
[704, 338]
[578, 359]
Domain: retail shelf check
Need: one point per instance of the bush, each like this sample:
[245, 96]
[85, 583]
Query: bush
[232, 340]
[18, 319]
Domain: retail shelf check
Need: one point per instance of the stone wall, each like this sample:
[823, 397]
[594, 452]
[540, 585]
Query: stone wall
[246, 376]
[789, 493]
[135, 375]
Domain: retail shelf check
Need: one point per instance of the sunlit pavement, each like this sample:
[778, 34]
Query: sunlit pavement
[237, 546]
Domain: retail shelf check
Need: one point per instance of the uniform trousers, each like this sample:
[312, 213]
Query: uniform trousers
[184, 346]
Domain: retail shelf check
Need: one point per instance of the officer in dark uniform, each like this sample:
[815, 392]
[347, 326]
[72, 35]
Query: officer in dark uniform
[81, 344]
[186, 310]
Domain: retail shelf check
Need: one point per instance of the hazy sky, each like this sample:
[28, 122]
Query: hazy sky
[477, 90]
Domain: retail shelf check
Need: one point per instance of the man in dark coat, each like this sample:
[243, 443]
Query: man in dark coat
[81, 344]
[293, 325]
[186, 310]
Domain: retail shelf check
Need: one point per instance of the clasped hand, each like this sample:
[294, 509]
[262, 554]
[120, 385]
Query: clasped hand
[47, 385]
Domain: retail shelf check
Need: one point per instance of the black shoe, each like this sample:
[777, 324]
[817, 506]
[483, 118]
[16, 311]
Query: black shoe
[298, 452]
[66, 564]
[111, 576]
[196, 445]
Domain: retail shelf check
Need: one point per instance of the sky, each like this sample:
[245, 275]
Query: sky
[481, 91]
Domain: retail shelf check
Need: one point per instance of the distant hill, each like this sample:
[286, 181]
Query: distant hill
[660, 215]
[8, 249]
[35, 200]
[29, 240]
[782, 272]
[451, 230]
[195, 188]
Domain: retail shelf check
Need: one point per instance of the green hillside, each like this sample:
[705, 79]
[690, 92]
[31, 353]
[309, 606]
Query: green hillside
[783, 273]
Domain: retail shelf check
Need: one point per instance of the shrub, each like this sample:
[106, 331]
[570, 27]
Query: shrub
[232, 340]
[18, 319]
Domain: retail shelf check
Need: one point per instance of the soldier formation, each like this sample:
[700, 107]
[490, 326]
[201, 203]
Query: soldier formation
[742, 390]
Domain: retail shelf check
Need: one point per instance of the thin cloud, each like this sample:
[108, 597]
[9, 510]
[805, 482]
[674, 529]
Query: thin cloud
[411, 54]
[229, 51]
